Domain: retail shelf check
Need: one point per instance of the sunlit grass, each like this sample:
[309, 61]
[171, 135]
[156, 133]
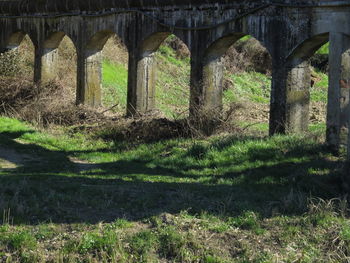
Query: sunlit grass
[114, 90]
[319, 93]
[249, 85]
[324, 50]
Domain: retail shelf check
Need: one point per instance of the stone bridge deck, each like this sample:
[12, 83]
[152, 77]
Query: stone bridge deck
[291, 30]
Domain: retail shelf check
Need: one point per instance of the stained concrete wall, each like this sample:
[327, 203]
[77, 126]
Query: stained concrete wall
[290, 30]
[338, 94]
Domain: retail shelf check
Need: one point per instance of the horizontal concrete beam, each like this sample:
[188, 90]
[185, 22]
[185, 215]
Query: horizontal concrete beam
[18, 7]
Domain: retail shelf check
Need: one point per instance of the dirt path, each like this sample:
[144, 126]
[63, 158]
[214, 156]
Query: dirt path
[11, 159]
[83, 166]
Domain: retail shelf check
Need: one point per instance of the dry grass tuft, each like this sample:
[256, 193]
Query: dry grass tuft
[154, 127]
[248, 56]
[48, 104]
[115, 51]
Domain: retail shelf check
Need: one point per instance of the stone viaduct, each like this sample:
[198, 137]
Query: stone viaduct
[291, 30]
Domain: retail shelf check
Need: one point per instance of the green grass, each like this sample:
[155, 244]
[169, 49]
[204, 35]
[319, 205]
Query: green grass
[114, 84]
[324, 50]
[172, 88]
[319, 93]
[253, 86]
[181, 200]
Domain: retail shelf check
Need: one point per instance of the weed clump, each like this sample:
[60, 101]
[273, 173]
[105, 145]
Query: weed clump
[142, 244]
[10, 63]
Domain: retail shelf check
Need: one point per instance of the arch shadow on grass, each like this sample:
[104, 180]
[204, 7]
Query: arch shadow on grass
[264, 178]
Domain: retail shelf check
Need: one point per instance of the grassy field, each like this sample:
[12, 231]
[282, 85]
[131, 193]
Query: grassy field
[71, 197]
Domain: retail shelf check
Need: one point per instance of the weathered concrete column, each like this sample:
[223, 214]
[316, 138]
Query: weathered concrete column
[298, 96]
[206, 91]
[89, 78]
[290, 97]
[348, 148]
[213, 75]
[338, 92]
[46, 58]
[345, 96]
[38, 64]
[45, 65]
[49, 64]
[141, 83]
[278, 99]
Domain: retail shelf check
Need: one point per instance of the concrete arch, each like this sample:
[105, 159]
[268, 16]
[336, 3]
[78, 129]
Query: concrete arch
[207, 81]
[48, 57]
[152, 42]
[308, 47]
[98, 40]
[219, 47]
[54, 39]
[22, 44]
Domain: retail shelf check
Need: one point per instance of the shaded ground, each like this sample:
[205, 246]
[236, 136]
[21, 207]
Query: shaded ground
[11, 159]
[72, 197]
[170, 176]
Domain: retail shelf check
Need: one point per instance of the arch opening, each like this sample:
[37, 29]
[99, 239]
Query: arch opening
[172, 78]
[159, 77]
[17, 92]
[319, 70]
[243, 88]
[115, 59]
[67, 66]
[60, 64]
[17, 58]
